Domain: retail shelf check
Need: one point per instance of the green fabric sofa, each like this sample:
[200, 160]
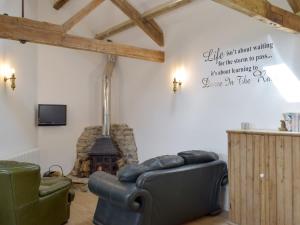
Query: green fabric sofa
[28, 199]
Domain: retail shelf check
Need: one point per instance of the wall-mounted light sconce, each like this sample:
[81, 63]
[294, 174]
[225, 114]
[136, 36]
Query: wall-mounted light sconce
[178, 79]
[9, 75]
[176, 85]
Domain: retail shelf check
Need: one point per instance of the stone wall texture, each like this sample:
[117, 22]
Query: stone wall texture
[121, 134]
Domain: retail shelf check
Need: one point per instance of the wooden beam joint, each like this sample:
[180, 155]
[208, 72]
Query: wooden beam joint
[295, 5]
[157, 11]
[149, 26]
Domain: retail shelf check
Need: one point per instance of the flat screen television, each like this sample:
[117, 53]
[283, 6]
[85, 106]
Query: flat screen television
[52, 115]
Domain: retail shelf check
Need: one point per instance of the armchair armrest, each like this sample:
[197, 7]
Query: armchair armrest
[125, 195]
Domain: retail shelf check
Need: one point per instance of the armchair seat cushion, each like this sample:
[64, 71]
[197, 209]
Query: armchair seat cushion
[50, 185]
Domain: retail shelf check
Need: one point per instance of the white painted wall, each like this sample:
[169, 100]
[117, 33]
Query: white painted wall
[18, 133]
[73, 78]
[197, 118]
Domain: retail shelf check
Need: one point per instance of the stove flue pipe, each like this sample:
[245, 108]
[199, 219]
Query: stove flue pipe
[106, 84]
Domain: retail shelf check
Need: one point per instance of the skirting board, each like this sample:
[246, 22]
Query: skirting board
[32, 156]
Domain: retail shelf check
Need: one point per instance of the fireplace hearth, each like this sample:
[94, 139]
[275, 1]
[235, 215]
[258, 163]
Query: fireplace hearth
[121, 135]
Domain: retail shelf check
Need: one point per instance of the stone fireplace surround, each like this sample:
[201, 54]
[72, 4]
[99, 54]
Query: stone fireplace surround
[123, 137]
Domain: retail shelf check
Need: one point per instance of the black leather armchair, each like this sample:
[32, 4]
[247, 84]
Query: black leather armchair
[162, 197]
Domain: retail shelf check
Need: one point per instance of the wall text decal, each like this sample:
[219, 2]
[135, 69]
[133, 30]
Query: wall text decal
[237, 66]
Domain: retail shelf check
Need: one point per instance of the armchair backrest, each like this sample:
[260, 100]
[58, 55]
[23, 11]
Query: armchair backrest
[184, 193]
[19, 193]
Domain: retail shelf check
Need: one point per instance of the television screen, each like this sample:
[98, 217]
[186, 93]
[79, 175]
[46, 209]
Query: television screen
[52, 115]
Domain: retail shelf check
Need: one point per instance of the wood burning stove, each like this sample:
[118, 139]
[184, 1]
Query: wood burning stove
[104, 154]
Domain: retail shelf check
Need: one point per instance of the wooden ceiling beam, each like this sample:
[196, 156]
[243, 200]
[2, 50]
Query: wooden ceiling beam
[16, 28]
[157, 11]
[149, 26]
[81, 14]
[266, 12]
[295, 4]
[59, 3]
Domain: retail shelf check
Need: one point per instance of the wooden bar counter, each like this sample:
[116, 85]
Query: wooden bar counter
[264, 177]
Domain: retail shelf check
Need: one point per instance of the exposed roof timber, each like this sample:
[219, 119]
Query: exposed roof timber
[295, 4]
[149, 26]
[15, 28]
[266, 12]
[157, 11]
[59, 3]
[81, 14]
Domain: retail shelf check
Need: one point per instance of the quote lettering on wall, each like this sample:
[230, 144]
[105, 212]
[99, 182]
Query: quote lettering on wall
[237, 66]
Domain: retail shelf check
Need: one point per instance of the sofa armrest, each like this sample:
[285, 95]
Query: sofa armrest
[125, 195]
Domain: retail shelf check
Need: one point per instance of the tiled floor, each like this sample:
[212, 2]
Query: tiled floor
[83, 208]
